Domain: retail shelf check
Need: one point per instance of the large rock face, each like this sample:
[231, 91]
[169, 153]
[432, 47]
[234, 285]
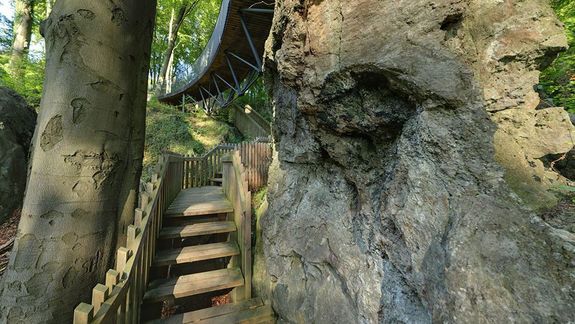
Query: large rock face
[395, 124]
[17, 122]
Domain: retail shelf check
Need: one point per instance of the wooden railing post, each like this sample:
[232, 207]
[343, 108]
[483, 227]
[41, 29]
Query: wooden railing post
[83, 313]
[119, 300]
[236, 190]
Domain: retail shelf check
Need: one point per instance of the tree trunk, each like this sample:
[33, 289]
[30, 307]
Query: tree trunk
[172, 38]
[49, 5]
[23, 21]
[170, 73]
[84, 156]
[168, 76]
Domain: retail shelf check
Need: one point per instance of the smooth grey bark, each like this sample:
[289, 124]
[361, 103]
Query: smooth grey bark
[83, 156]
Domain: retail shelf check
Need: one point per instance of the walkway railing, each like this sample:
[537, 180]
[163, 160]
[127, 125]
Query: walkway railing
[235, 187]
[256, 156]
[249, 122]
[119, 299]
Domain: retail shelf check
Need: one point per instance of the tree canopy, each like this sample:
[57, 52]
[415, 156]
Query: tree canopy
[193, 35]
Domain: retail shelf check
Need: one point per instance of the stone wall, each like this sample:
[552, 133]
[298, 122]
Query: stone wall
[397, 125]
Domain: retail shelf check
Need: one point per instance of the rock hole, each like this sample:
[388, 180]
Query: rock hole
[563, 163]
[87, 14]
[452, 21]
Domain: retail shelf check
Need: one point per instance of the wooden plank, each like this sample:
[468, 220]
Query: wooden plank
[197, 230]
[112, 278]
[217, 180]
[99, 295]
[253, 161]
[247, 316]
[261, 164]
[207, 313]
[195, 173]
[247, 246]
[138, 216]
[206, 172]
[196, 253]
[199, 201]
[83, 313]
[122, 257]
[195, 284]
[201, 208]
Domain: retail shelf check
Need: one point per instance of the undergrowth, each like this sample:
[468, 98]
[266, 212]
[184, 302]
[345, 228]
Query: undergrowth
[186, 133]
[558, 80]
[29, 83]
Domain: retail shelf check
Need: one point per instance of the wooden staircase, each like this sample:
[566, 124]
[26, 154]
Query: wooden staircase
[198, 227]
[189, 242]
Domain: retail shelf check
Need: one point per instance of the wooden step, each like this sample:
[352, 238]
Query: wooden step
[248, 311]
[199, 201]
[258, 315]
[193, 284]
[197, 230]
[196, 253]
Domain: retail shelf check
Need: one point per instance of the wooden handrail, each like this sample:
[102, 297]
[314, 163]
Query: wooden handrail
[256, 155]
[235, 187]
[119, 300]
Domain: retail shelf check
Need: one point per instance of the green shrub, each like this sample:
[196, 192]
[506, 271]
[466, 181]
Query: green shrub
[558, 80]
[189, 133]
[29, 83]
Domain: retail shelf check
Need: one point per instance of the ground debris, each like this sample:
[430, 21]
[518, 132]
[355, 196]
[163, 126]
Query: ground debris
[7, 235]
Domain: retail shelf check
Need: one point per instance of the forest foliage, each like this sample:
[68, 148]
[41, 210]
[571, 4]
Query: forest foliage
[558, 80]
[29, 83]
[192, 37]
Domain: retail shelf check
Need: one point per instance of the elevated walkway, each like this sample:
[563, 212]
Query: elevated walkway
[232, 59]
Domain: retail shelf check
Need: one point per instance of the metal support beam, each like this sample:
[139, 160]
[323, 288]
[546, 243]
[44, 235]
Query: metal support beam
[216, 83]
[257, 10]
[203, 99]
[224, 81]
[250, 41]
[239, 58]
[234, 76]
[211, 95]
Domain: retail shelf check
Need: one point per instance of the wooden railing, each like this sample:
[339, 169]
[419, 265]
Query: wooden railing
[235, 187]
[249, 122]
[119, 299]
[256, 157]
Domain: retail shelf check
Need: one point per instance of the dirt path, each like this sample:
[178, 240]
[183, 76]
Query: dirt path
[7, 235]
